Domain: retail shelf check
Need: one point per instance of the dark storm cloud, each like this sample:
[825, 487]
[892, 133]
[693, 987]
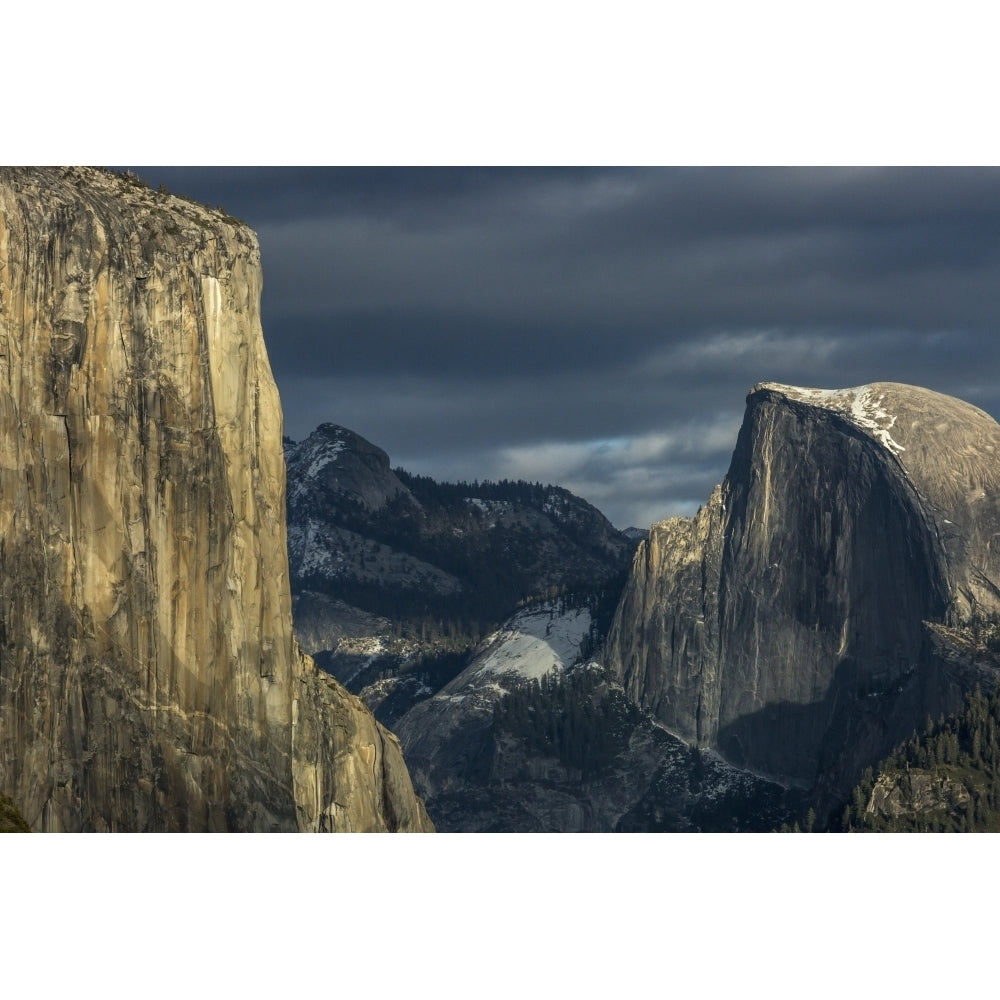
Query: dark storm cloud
[605, 325]
[587, 266]
[419, 196]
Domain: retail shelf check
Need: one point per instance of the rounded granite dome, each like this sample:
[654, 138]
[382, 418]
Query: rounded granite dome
[949, 449]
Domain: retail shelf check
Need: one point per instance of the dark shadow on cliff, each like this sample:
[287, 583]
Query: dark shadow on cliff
[862, 717]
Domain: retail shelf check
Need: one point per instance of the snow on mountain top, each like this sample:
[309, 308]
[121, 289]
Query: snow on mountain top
[319, 452]
[323, 456]
[533, 643]
[864, 405]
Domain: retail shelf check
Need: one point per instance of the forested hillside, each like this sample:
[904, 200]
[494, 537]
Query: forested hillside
[944, 779]
[396, 577]
[502, 543]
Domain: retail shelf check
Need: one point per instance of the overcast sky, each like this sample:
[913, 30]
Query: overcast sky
[599, 328]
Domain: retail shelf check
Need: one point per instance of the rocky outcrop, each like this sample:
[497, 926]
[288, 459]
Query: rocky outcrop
[917, 796]
[148, 676]
[785, 623]
[334, 464]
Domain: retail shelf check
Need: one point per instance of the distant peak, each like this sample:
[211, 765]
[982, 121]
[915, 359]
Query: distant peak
[331, 430]
[636, 534]
[329, 435]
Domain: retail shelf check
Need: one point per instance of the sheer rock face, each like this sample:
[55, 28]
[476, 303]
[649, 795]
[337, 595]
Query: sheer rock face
[148, 676]
[784, 624]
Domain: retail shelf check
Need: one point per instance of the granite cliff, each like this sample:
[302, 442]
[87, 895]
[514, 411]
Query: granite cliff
[799, 623]
[148, 675]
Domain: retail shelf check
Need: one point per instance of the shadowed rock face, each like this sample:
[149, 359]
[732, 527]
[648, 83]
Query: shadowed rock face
[148, 677]
[784, 623]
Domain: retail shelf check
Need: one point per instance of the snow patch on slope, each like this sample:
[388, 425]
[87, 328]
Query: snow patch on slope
[533, 643]
[322, 457]
[556, 505]
[493, 509]
[868, 413]
[319, 457]
[311, 550]
[862, 405]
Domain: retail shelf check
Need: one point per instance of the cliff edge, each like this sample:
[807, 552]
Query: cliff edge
[148, 675]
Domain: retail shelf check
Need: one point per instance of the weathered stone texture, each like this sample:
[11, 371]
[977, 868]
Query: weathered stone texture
[784, 624]
[148, 676]
[917, 795]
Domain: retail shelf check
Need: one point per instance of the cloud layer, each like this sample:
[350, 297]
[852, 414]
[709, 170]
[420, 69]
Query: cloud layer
[600, 328]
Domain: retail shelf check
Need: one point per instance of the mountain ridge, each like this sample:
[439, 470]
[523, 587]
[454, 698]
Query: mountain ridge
[427, 568]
